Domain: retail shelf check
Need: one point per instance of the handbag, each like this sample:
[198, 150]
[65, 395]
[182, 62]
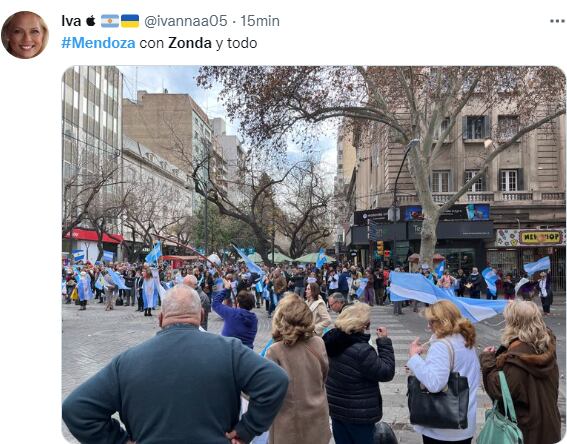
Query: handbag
[447, 409]
[499, 428]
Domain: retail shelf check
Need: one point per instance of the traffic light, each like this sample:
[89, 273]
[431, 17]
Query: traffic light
[387, 253]
[380, 247]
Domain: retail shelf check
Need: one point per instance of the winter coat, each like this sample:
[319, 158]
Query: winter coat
[355, 369]
[321, 317]
[280, 285]
[304, 416]
[533, 380]
[475, 280]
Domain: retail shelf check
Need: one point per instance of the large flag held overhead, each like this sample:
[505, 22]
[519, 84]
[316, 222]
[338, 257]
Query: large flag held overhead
[117, 279]
[490, 278]
[520, 284]
[251, 265]
[541, 265]
[107, 256]
[78, 255]
[406, 286]
[153, 255]
[321, 258]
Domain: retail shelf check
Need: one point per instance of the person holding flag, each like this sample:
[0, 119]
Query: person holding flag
[545, 292]
[84, 289]
[150, 290]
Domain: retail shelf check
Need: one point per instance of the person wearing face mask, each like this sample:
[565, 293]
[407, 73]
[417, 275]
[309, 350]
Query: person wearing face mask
[24, 35]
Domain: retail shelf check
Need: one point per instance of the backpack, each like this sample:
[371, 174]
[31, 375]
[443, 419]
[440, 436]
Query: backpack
[498, 428]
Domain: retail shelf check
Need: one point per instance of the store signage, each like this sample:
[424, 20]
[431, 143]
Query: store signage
[455, 230]
[456, 212]
[530, 238]
[376, 215]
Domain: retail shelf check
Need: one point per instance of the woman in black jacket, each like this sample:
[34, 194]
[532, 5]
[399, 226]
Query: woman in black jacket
[355, 368]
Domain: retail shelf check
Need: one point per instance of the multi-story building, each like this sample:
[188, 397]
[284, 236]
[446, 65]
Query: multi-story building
[158, 188]
[513, 215]
[233, 155]
[174, 127]
[92, 143]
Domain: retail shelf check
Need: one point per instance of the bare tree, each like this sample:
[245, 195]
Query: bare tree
[409, 103]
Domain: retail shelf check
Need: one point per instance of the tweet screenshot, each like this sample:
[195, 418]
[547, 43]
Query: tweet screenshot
[294, 222]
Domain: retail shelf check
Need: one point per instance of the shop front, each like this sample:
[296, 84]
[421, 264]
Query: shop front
[512, 248]
[87, 241]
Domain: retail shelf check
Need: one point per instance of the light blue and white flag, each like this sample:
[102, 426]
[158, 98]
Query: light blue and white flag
[361, 287]
[520, 284]
[475, 310]
[251, 265]
[99, 283]
[153, 255]
[84, 288]
[490, 278]
[321, 258]
[541, 265]
[440, 269]
[406, 286]
[117, 279]
[107, 256]
[78, 255]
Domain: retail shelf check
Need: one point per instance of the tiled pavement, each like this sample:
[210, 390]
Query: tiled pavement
[92, 337]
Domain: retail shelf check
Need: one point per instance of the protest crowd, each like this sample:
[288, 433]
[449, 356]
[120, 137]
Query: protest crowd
[320, 374]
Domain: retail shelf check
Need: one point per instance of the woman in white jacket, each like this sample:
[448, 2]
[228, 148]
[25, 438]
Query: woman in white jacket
[321, 317]
[446, 322]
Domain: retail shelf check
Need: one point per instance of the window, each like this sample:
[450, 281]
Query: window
[478, 185]
[509, 180]
[508, 126]
[440, 181]
[476, 127]
[440, 129]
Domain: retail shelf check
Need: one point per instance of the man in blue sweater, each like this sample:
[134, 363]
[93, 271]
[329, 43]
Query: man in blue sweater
[183, 385]
[239, 322]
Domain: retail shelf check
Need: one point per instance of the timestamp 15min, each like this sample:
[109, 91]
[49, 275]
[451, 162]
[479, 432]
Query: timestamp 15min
[251, 20]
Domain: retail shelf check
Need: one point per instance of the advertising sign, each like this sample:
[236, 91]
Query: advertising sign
[530, 238]
[456, 212]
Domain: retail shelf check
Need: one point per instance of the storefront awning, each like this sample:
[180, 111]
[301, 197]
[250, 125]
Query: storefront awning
[90, 235]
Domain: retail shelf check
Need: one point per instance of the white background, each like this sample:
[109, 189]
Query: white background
[456, 32]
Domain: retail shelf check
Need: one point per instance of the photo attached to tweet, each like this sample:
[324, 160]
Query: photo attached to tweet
[228, 231]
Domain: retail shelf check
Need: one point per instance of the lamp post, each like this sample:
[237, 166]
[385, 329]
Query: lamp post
[394, 210]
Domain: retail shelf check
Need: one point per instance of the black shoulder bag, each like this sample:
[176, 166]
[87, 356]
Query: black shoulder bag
[446, 409]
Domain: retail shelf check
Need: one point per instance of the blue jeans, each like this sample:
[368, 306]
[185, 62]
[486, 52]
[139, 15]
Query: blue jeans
[274, 299]
[349, 433]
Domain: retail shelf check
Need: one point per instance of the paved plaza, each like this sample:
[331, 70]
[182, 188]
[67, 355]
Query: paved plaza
[91, 338]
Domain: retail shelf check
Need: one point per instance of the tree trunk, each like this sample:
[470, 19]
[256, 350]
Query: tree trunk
[428, 241]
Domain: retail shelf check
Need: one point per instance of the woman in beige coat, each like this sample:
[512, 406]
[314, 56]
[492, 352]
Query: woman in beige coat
[304, 416]
[321, 317]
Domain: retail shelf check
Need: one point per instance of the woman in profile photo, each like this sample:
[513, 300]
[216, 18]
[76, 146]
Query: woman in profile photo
[24, 35]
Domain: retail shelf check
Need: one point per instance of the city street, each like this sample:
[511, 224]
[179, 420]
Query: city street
[91, 338]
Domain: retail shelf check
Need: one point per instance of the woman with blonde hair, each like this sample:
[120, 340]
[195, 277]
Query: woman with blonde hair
[304, 416]
[355, 368]
[321, 317]
[528, 359]
[24, 35]
[453, 342]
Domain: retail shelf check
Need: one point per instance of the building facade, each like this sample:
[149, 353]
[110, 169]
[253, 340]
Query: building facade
[91, 148]
[512, 215]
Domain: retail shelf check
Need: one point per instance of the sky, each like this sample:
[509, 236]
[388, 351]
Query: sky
[181, 79]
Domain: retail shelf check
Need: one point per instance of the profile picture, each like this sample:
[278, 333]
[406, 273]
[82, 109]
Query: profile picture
[24, 34]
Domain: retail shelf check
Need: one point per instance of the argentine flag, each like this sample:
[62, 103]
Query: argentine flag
[251, 265]
[361, 287]
[153, 255]
[440, 269]
[490, 277]
[541, 265]
[405, 286]
[117, 279]
[78, 255]
[321, 258]
[107, 256]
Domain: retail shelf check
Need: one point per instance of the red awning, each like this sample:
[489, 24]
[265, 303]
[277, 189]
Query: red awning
[80, 234]
[179, 258]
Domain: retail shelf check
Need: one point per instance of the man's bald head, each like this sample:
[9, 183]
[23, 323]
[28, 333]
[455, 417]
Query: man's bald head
[180, 305]
[190, 280]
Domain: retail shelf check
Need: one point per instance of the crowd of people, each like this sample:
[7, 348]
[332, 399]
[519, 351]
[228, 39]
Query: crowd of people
[315, 378]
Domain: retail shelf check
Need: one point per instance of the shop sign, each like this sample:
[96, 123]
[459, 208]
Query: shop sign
[529, 238]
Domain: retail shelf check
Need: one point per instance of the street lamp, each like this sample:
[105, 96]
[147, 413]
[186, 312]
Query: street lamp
[394, 210]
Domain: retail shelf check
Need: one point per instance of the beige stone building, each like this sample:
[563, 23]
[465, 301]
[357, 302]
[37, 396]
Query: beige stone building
[176, 128]
[520, 201]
